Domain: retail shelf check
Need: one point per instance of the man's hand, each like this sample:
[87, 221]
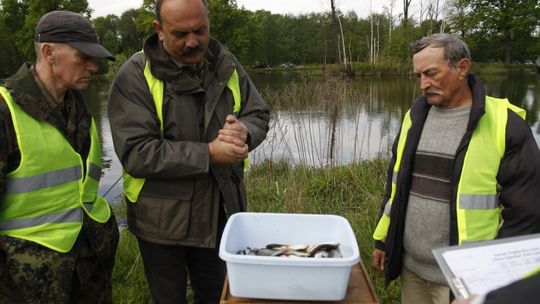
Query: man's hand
[377, 259]
[233, 132]
[225, 153]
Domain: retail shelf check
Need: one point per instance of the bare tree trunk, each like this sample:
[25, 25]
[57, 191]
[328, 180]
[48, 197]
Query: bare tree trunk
[342, 42]
[335, 23]
[324, 62]
[371, 40]
[508, 53]
[406, 5]
[378, 38]
[391, 19]
[421, 12]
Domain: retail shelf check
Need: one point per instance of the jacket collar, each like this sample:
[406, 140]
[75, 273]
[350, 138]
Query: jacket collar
[164, 68]
[27, 94]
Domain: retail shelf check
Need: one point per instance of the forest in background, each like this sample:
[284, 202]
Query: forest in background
[497, 31]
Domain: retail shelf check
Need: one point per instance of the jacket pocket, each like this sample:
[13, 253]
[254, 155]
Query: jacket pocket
[160, 218]
[176, 189]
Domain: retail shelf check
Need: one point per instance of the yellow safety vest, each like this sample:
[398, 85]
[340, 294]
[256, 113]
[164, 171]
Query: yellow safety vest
[47, 194]
[133, 186]
[477, 205]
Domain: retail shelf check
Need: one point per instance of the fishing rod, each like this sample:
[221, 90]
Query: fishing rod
[111, 187]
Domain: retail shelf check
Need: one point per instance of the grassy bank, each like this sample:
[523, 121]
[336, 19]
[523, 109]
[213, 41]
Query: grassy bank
[352, 191]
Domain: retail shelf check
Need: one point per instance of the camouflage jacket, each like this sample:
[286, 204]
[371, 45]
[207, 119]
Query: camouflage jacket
[70, 117]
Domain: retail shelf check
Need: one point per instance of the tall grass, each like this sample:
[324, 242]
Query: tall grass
[129, 281]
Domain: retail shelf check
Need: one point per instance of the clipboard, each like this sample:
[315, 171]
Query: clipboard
[480, 267]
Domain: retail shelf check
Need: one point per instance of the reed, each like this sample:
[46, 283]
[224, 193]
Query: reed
[317, 123]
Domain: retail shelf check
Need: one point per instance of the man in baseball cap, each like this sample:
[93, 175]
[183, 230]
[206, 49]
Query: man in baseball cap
[73, 29]
[58, 237]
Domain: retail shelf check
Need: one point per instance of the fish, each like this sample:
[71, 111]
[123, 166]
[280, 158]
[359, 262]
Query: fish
[260, 252]
[320, 250]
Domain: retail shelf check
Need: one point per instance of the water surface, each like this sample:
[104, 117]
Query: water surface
[354, 120]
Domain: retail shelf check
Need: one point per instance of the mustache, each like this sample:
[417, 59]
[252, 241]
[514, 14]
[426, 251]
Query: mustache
[188, 51]
[433, 92]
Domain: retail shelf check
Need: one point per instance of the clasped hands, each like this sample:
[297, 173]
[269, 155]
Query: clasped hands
[229, 147]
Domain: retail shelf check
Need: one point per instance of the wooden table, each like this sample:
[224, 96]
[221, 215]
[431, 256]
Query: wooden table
[359, 291]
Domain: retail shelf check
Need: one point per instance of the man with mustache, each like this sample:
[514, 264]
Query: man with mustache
[183, 116]
[58, 237]
[465, 168]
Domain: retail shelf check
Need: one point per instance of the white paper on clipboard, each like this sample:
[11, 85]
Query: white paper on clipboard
[477, 268]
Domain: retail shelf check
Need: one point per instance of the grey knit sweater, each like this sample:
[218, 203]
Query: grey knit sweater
[427, 221]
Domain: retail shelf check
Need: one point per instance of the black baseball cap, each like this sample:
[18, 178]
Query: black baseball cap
[73, 29]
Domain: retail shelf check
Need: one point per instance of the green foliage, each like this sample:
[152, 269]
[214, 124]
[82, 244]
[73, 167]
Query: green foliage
[500, 29]
[114, 66]
[107, 31]
[11, 20]
[145, 17]
[131, 39]
[18, 20]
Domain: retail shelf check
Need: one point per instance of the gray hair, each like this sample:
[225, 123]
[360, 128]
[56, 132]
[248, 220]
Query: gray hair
[454, 48]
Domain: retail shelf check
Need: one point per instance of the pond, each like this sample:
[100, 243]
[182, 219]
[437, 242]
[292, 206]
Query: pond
[320, 121]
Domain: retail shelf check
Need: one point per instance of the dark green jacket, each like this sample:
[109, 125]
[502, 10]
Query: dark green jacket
[179, 202]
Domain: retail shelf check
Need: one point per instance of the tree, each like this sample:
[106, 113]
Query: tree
[147, 13]
[508, 23]
[406, 5]
[336, 25]
[131, 38]
[24, 35]
[12, 17]
[107, 31]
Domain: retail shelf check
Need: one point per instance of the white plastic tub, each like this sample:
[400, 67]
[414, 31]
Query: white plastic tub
[287, 278]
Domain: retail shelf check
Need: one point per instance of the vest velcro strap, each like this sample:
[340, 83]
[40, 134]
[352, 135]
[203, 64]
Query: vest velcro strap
[394, 178]
[42, 181]
[478, 201]
[94, 171]
[66, 216]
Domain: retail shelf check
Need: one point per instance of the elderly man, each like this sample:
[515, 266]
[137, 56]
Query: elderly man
[184, 115]
[462, 162]
[58, 238]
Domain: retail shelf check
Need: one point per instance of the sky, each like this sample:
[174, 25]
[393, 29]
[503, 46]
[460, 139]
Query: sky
[360, 7]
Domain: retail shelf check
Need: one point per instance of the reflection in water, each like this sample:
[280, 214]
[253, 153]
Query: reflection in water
[110, 183]
[321, 122]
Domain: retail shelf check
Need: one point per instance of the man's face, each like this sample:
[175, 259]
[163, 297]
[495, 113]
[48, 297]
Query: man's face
[71, 68]
[184, 30]
[439, 82]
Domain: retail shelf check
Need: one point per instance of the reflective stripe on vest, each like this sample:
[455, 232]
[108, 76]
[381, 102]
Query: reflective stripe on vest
[46, 195]
[477, 204]
[133, 186]
[382, 227]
